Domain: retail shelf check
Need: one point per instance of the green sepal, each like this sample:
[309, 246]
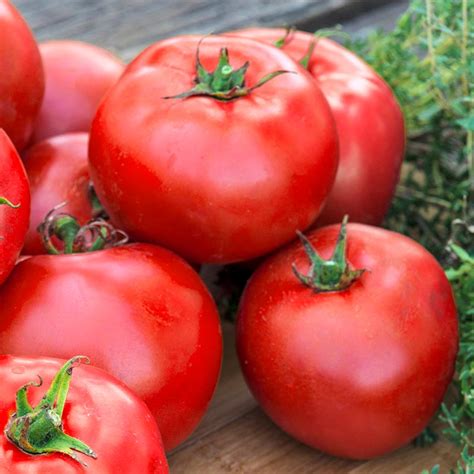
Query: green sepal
[328, 275]
[6, 202]
[97, 234]
[224, 83]
[321, 33]
[280, 42]
[97, 208]
[39, 430]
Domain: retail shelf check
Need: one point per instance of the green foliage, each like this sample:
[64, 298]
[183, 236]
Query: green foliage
[428, 59]
[429, 62]
[434, 470]
[427, 437]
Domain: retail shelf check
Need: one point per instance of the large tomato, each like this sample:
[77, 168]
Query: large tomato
[139, 311]
[21, 76]
[14, 205]
[106, 420]
[58, 173]
[225, 174]
[77, 77]
[352, 364]
[369, 122]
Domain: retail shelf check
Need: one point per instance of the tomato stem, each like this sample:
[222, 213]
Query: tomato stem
[304, 61]
[328, 275]
[286, 38]
[95, 235]
[224, 83]
[39, 430]
[97, 208]
[322, 33]
[6, 202]
[66, 229]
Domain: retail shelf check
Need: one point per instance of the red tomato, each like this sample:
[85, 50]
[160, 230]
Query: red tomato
[58, 172]
[21, 77]
[77, 77]
[369, 123]
[139, 311]
[357, 372]
[14, 216]
[215, 180]
[100, 411]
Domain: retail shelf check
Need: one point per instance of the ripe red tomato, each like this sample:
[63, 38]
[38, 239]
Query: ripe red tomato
[222, 176]
[58, 172]
[21, 77]
[357, 372]
[369, 122]
[14, 205]
[77, 77]
[139, 311]
[100, 411]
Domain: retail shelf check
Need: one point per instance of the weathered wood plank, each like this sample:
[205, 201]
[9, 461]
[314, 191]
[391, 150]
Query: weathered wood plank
[253, 445]
[127, 26]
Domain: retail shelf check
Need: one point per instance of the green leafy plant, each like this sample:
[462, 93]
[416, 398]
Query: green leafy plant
[428, 59]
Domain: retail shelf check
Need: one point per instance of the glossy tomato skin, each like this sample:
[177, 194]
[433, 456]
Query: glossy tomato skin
[21, 78]
[355, 373]
[77, 76]
[100, 411]
[58, 172]
[138, 311]
[13, 221]
[215, 181]
[369, 122]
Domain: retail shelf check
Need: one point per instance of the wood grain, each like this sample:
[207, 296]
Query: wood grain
[128, 26]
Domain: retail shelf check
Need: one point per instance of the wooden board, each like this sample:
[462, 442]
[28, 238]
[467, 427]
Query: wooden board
[128, 26]
[235, 436]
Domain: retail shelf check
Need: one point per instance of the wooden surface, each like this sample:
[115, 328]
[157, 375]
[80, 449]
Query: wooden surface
[127, 26]
[235, 436]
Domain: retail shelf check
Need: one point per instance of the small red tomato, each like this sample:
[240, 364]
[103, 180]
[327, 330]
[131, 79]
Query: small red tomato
[225, 172]
[77, 77]
[58, 173]
[14, 205]
[139, 311]
[104, 424]
[353, 363]
[21, 76]
[369, 123]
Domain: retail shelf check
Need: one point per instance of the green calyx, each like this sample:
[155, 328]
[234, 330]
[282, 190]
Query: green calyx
[97, 208]
[39, 430]
[224, 83]
[6, 202]
[322, 33]
[95, 235]
[328, 275]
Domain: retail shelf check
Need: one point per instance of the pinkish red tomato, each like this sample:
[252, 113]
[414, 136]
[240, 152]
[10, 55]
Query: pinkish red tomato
[220, 177]
[112, 429]
[77, 76]
[356, 371]
[58, 173]
[138, 311]
[21, 76]
[369, 123]
[14, 205]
